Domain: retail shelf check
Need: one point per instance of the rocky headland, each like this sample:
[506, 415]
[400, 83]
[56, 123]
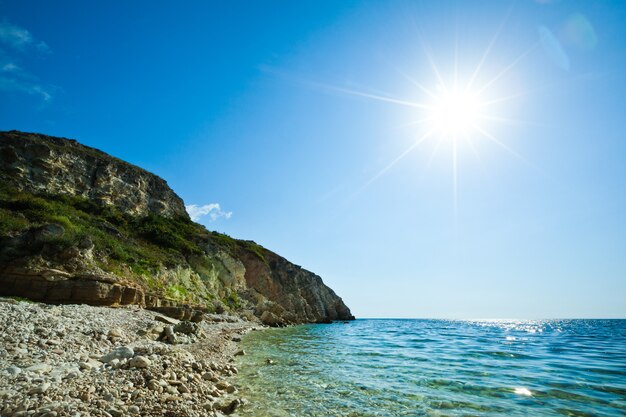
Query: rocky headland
[113, 302]
[80, 226]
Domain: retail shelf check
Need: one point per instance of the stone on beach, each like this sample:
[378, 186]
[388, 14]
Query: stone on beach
[186, 327]
[229, 407]
[13, 370]
[40, 389]
[91, 364]
[40, 368]
[140, 362]
[121, 352]
[116, 332]
[168, 335]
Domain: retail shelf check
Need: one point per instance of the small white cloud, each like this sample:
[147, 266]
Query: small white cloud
[19, 38]
[15, 40]
[25, 86]
[213, 210]
[43, 47]
[41, 91]
[14, 36]
[10, 67]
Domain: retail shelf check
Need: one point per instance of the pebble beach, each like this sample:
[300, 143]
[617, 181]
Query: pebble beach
[79, 360]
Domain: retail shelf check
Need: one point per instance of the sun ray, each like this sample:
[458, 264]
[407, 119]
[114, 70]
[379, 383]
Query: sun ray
[417, 84]
[505, 98]
[455, 176]
[374, 91]
[507, 68]
[377, 97]
[413, 123]
[329, 87]
[500, 143]
[433, 65]
[456, 53]
[408, 150]
[509, 121]
[429, 57]
[481, 164]
[538, 89]
[512, 152]
[432, 154]
[488, 50]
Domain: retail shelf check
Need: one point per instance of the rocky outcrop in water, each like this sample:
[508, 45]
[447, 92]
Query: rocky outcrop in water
[80, 226]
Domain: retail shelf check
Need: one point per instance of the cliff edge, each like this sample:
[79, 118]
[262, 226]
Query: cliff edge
[80, 226]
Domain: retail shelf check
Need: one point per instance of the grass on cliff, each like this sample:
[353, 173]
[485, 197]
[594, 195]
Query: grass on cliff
[234, 245]
[142, 244]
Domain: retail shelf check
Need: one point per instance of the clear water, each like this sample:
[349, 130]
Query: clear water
[437, 368]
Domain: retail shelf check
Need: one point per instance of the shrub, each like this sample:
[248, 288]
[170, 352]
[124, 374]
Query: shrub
[10, 222]
[232, 300]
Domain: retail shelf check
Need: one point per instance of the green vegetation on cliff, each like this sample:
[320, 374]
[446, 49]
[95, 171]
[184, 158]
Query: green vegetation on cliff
[138, 245]
[142, 243]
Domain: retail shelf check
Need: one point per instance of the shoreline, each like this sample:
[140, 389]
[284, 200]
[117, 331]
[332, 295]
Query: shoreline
[79, 360]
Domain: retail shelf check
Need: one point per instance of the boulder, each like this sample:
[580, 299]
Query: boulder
[186, 327]
[140, 362]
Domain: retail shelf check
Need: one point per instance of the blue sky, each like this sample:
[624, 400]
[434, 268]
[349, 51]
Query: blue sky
[300, 120]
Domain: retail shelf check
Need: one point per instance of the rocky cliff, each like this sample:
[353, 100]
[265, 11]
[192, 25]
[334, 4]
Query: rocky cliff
[45, 164]
[80, 226]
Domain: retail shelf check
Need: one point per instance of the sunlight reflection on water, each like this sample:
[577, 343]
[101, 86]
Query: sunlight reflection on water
[437, 367]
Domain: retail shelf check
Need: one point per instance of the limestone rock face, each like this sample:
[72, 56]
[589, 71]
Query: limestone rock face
[192, 272]
[45, 164]
[285, 293]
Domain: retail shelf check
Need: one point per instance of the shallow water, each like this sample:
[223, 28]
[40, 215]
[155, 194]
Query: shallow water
[437, 368]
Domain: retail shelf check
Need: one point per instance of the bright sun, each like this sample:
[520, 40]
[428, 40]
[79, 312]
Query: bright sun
[455, 112]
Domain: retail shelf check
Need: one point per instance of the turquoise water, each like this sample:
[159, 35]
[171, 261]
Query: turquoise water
[437, 368]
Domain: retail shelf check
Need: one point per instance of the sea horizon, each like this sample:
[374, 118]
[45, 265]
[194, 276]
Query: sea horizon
[488, 319]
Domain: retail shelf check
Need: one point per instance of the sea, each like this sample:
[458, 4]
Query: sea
[384, 367]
